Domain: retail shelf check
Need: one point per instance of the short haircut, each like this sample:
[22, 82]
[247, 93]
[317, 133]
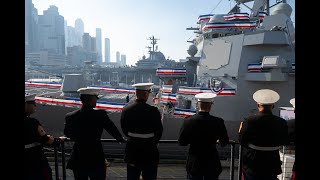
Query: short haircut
[266, 106]
[85, 97]
[141, 93]
[205, 105]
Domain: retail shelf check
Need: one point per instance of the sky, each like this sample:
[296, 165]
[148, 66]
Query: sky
[129, 23]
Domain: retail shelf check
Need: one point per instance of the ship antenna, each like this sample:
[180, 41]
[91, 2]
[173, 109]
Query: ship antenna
[153, 42]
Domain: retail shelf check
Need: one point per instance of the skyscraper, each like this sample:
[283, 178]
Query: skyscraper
[93, 45]
[99, 45]
[79, 28]
[71, 37]
[86, 42]
[123, 60]
[107, 50]
[51, 31]
[118, 57]
[65, 36]
[31, 27]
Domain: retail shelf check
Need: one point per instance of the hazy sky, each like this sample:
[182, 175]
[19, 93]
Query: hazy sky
[128, 23]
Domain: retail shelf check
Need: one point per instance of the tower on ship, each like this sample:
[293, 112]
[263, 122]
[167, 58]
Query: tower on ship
[155, 59]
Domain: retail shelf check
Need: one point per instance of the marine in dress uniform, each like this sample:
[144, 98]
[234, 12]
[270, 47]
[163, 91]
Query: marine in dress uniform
[261, 136]
[36, 166]
[202, 131]
[141, 123]
[85, 127]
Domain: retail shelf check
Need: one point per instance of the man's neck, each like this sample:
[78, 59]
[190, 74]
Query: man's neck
[87, 106]
[203, 110]
[141, 100]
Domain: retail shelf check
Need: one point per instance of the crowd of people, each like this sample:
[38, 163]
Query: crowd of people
[261, 136]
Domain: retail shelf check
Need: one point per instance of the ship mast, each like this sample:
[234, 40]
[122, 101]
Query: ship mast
[153, 42]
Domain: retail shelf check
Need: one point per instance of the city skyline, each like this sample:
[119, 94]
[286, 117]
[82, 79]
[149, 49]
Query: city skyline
[129, 24]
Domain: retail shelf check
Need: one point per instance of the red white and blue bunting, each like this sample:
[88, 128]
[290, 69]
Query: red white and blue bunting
[165, 97]
[205, 17]
[53, 85]
[75, 102]
[238, 25]
[166, 88]
[184, 112]
[262, 15]
[197, 90]
[171, 71]
[254, 67]
[115, 90]
[236, 16]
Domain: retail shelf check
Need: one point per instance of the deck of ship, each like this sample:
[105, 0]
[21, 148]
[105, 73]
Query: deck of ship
[166, 171]
[169, 168]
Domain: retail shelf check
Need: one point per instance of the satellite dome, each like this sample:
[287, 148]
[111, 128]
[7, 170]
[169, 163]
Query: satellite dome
[217, 18]
[192, 50]
[283, 8]
[158, 56]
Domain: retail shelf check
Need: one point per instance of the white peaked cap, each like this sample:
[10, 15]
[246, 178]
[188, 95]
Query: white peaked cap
[89, 91]
[293, 102]
[266, 96]
[29, 97]
[205, 97]
[143, 86]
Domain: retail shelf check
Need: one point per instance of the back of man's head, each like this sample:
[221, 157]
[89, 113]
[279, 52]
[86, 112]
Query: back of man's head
[143, 90]
[205, 101]
[205, 106]
[142, 94]
[89, 96]
[85, 99]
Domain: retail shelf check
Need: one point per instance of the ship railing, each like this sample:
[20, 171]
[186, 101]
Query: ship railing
[59, 149]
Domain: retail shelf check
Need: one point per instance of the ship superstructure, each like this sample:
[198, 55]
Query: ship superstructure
[239, 53]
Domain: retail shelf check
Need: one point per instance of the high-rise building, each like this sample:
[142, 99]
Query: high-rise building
[45, 58]
[65, 36]
[93, 44]
[86, 42]
[79, 28]
[99, 45]
[118, 57]
[31, 27]
[71, 37]
[107, 50]
[123, 60]
[76, 56]
[51, 31]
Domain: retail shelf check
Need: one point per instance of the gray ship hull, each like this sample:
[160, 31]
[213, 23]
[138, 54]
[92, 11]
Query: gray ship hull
[52, 118]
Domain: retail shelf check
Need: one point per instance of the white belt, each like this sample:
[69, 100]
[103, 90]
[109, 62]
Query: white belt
[141, 135]
[260, 148]
[27, 146]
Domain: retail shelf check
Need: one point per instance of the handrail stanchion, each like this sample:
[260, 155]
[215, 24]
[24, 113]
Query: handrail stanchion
[232, 160]
[56, 165]
[283, 165]
[240, 163]
[63, 158]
